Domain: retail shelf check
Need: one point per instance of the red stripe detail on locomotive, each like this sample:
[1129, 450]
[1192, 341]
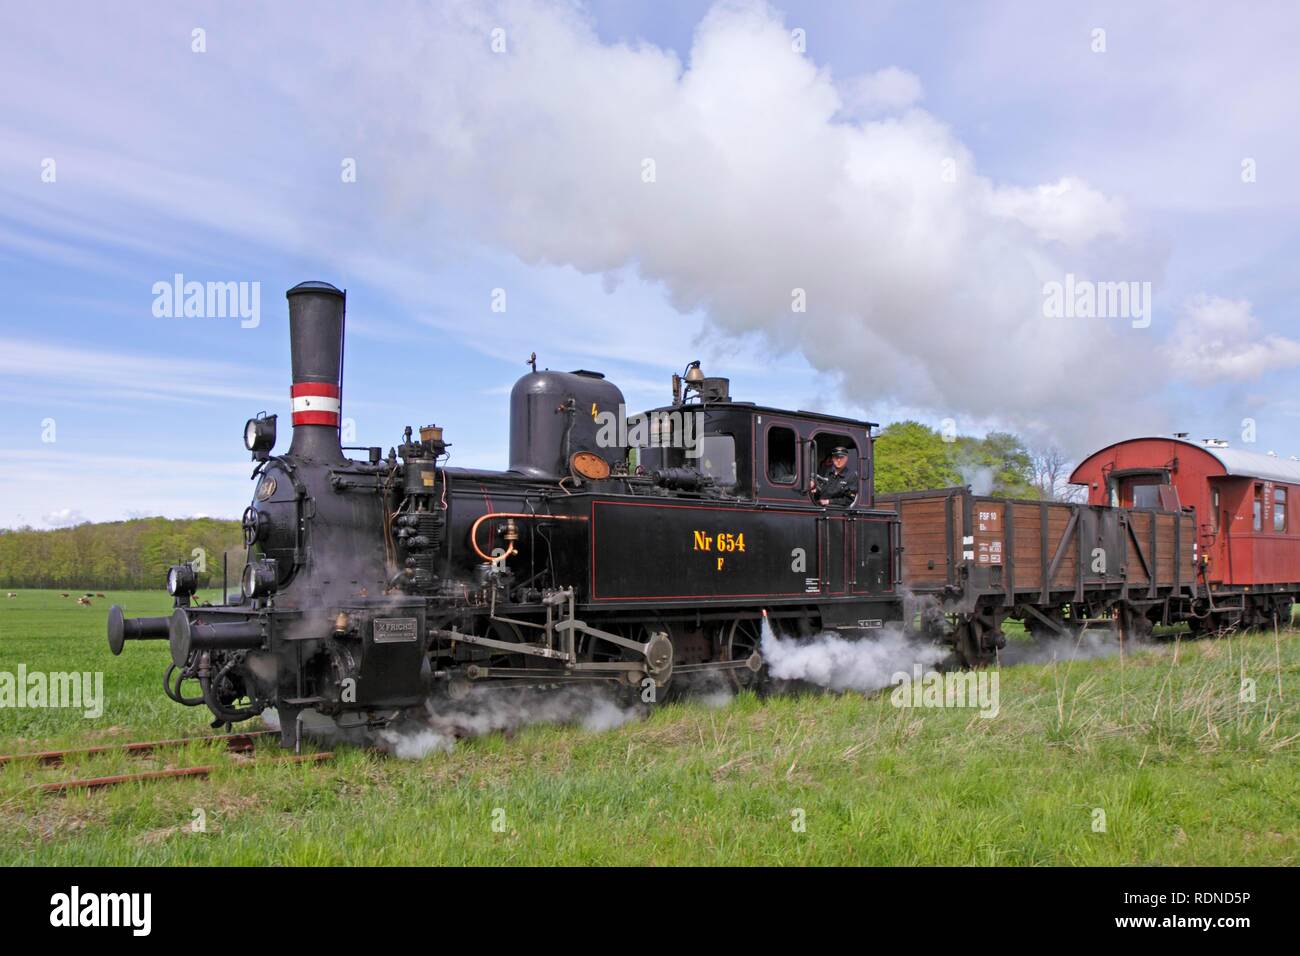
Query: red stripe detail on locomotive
[328, 389]
[315, 418]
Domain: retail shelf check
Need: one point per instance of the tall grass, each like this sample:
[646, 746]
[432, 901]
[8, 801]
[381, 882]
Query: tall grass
[1155, 758]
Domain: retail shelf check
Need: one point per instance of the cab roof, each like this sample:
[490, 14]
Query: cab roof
[765, 410]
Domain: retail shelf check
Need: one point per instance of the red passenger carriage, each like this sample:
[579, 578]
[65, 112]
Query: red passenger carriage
[1246, 502]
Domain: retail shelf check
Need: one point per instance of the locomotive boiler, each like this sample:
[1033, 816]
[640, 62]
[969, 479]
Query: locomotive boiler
[628, 550]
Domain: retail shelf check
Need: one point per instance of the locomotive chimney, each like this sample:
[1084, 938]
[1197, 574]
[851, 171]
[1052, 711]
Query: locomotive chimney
[316, 341]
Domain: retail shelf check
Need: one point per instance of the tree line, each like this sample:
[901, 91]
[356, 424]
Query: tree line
[911, 456]
[120, 555]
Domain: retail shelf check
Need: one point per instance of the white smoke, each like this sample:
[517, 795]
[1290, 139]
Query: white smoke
[735, 180]
[416, 744]
[1084, 645]
[980, 478]
[715, 699]
[834, 662]
[496, 709]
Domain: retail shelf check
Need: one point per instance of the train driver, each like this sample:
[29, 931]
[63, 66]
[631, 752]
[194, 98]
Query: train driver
[837, 484]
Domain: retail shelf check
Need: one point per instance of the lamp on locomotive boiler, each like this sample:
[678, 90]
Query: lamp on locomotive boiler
[259, 436]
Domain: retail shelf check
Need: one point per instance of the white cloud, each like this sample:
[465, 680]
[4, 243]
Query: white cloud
[1220, 339]
[1067, 211]
[62, 518]
[83, 372]
[883, 91]
[918, 285]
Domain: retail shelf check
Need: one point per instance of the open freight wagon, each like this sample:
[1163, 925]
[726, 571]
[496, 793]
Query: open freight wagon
[975, 560]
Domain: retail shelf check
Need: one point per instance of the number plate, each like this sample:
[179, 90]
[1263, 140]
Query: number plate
[396, 630]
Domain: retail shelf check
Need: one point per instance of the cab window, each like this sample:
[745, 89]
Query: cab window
[782, 463]
[718, 459]
[825, 442]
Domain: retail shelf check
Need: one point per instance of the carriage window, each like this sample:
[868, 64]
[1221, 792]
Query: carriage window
[718, 459]
[1214, 510]
[1146, 496]
[1279, 509]
[781, 461]
[1259, 508]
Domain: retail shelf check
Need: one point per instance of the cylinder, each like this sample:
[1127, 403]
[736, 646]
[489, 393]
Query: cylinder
[316, 321]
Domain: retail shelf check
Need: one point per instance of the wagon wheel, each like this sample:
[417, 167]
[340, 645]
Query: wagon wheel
[1282, 607]
[1135, 624]
[968, 642]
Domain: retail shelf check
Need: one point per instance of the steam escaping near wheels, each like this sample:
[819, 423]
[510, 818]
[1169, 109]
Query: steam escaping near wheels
[836, 663]
[490, 709]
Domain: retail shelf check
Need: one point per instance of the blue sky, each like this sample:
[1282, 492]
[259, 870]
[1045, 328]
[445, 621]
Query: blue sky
[782, 160]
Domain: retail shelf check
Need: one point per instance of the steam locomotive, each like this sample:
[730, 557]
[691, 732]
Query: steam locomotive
[642, 551]
[631, 551]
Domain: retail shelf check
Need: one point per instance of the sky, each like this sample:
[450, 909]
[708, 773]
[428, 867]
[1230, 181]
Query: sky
[873, 209]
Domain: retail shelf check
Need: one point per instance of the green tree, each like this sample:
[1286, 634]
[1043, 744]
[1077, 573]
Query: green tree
[911, 456]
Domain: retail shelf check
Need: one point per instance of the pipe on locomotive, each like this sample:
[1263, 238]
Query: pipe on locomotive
[510, 551]
[316, 325]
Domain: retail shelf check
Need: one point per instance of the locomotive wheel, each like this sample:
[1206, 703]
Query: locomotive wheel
[594, 649]
[741, 640]
[501, 631]
[655, 634]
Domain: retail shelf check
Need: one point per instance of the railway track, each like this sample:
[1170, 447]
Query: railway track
[242, 743]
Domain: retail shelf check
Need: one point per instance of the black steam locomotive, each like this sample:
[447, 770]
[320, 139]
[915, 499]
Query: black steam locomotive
[632, 550]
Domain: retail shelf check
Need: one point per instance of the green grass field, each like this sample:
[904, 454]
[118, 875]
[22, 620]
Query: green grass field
[1160, 742]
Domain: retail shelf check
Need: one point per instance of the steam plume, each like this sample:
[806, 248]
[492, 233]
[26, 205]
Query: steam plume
[831, 661]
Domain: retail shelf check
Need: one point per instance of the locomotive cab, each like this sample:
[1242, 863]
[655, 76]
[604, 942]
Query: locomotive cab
[756, 452]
